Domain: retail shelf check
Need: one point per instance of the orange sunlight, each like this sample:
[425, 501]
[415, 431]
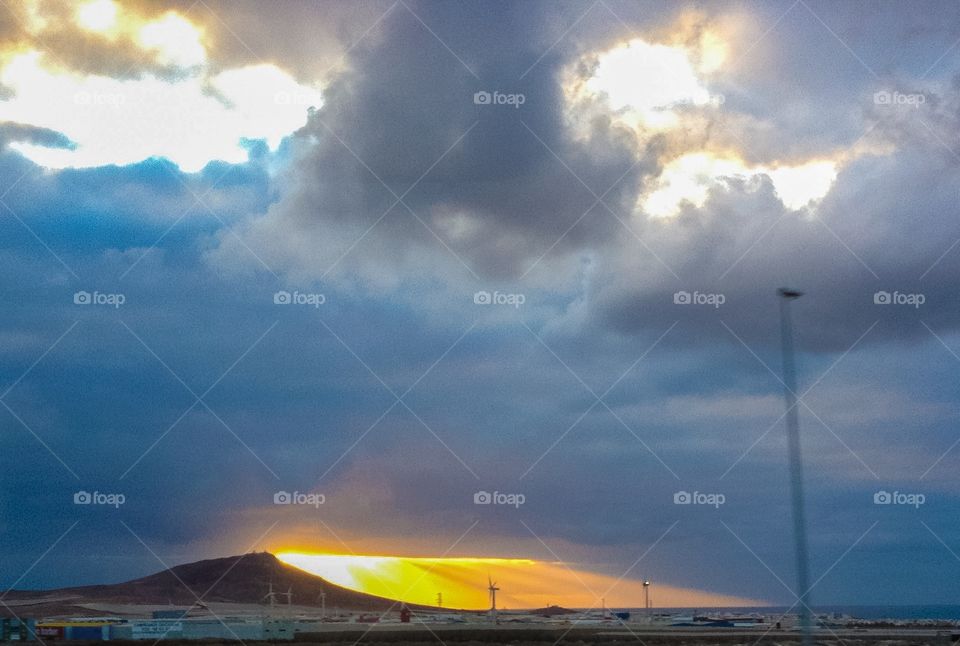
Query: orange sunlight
[523, 583]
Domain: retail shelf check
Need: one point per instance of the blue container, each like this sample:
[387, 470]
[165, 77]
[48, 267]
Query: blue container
[91, 633]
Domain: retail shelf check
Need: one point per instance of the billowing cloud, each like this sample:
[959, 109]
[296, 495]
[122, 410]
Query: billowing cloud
[678, 190]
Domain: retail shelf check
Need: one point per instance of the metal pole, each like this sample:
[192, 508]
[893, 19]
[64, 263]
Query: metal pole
[646, 599]
[796, 467]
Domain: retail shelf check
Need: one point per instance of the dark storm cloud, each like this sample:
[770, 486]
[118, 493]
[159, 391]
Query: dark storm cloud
[887, 225]
[518, 180]
[308, 38]
[499, 196]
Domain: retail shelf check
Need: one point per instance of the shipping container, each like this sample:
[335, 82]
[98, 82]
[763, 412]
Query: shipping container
[88, 633]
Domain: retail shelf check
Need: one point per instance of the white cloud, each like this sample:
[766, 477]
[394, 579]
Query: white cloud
[97, 15]
[194, 118]
[174, 39]
[690, 177]
[647, 82]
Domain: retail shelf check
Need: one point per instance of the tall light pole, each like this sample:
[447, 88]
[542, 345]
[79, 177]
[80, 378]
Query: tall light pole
[646, 598]
[796, 467]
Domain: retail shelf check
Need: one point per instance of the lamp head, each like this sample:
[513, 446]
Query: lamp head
[788, 293]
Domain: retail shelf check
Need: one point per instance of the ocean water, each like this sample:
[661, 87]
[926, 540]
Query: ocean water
[946, 612]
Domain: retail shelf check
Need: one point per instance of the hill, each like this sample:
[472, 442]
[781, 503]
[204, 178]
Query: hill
[245, 578]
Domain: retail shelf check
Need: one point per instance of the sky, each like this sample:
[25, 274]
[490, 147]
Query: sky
[450, 279]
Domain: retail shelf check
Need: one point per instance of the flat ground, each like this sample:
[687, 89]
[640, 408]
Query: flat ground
[446, 638]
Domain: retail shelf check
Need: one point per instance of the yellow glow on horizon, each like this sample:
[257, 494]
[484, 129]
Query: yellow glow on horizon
[690, 177]
[97, 15]
[523, 583]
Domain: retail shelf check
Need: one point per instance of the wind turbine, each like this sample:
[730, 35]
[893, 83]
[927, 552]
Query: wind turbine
[271, 595]
[492, 589]
[289, 595]
[323, 604]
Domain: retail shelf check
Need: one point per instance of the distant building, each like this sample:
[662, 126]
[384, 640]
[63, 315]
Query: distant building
[13, 629]
[169, 625]
[84, 630]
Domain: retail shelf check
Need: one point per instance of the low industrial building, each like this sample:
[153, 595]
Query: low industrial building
[64, 630]
[229, 628]
[154, 629]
